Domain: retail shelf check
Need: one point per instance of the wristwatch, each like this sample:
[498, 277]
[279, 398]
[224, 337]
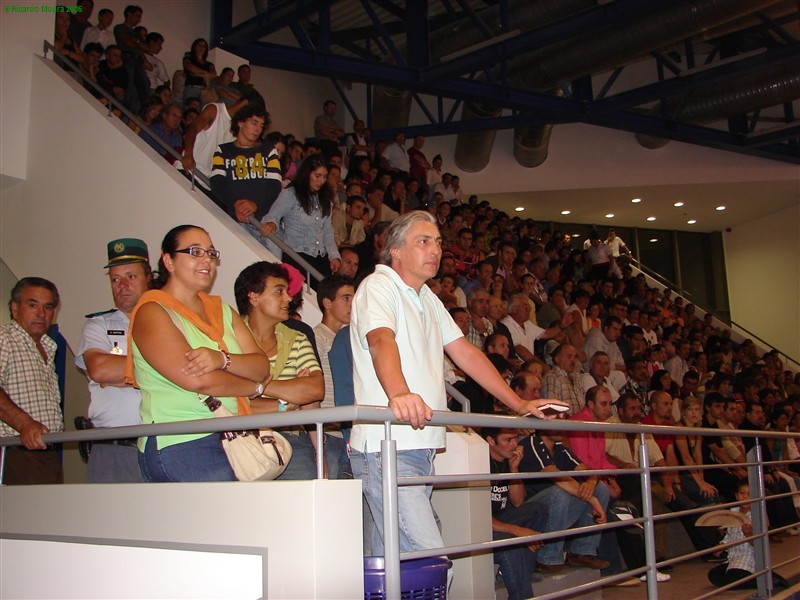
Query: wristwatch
[259, 390]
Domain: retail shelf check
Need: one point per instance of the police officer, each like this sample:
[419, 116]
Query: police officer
[101, 354]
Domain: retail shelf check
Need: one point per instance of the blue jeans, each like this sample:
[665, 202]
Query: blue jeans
[418, 523]
[266, 242]
[518, 562]
[568, 511]
[336, 455]
[199, 460]
[303, 464]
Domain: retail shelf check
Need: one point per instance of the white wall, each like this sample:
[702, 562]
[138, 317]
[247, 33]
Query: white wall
[764, 277]
[311, 529]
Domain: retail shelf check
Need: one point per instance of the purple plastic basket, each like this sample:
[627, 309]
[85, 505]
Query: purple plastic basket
[422, 579]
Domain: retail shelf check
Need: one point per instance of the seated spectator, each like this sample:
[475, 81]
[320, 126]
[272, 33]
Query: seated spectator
[189, 116]
[622, 450]
[358, 144]
[395, 196]
[678, 497]
[223, 86]
[523, 332]
[562, 381]
[677, 365]
[149, 114]
[243, 85]
[156, 71]
[246, 172]
[90, 66]
[636, 382]
[479, 326]
[571, 502]
[433, 176]
[101, 33]
[348, 225]
[741, 557]
[168, 129]
[200, 72]
[396, 156]
[512, 516]
[377, 210]
[554, 309]
[350, 263]
[599, 370]
[725, 480]
[605, 340]
[262, 297]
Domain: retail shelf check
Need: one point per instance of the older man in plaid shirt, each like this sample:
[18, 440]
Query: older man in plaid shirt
[30, 402]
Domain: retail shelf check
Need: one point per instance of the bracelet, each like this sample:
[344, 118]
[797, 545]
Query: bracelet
[283, 406]
[227, 358]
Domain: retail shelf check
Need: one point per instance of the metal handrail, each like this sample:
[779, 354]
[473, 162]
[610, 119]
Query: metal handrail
[194, 174]
[376, 414]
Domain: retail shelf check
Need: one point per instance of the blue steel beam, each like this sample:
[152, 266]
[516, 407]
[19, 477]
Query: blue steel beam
[276, 18]
[551, 109]
[551, 33]
[776, 135]
[691, 81]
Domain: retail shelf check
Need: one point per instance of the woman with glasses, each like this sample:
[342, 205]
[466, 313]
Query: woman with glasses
[304, 211]
[185, 347]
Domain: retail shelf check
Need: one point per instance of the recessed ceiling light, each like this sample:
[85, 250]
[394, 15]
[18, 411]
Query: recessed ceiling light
[653, 240]
[565, 212]
[651, 218]
[636, 200]
[678, 204]
[519, 208]
[610, 216]
[720, 208]
[691, 221]
[576, 235]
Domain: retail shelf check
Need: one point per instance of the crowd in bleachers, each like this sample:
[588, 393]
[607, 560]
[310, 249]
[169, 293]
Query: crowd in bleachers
[558, 317]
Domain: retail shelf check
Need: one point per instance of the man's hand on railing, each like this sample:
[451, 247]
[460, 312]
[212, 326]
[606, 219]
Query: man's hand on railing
[31, 435]
[244, 208]
[188, 162]
[411, 408]
[533, 408]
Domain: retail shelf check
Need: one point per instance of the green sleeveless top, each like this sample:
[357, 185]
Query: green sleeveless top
[165, 402]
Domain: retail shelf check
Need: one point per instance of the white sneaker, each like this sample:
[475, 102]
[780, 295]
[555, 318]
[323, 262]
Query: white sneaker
[660, 577]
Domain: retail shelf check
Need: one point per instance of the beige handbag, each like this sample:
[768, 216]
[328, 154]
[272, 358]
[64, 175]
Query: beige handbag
[254, 455]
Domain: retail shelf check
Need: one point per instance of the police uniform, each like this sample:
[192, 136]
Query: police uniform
[112, 461]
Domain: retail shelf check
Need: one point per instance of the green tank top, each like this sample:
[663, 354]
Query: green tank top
[166, 402]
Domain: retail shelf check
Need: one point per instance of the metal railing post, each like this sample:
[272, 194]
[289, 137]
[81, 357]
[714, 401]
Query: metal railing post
[647, 513]
[320, 433]
[2, 463]
[391, 533]
[758, 515]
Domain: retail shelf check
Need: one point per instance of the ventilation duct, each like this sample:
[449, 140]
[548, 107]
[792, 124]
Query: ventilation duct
[391, 107]
[780, 85]
[546, 70]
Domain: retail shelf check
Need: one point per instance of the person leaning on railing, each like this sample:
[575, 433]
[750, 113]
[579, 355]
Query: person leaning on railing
[263, 294]
[186, 345]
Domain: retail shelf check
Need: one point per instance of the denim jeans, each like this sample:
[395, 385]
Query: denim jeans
[517, 563]
[266, 242]
[418, 523]
[336, 455]
[568, 511]
[199, 460]
[303, 464]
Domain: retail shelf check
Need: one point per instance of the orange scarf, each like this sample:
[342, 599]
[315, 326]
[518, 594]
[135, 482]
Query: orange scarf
[215, 329]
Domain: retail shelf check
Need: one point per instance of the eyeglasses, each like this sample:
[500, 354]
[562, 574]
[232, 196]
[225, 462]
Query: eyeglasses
[199, 252]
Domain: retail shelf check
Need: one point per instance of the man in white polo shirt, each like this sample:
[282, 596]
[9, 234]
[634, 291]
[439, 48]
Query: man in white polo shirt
[399, 331]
